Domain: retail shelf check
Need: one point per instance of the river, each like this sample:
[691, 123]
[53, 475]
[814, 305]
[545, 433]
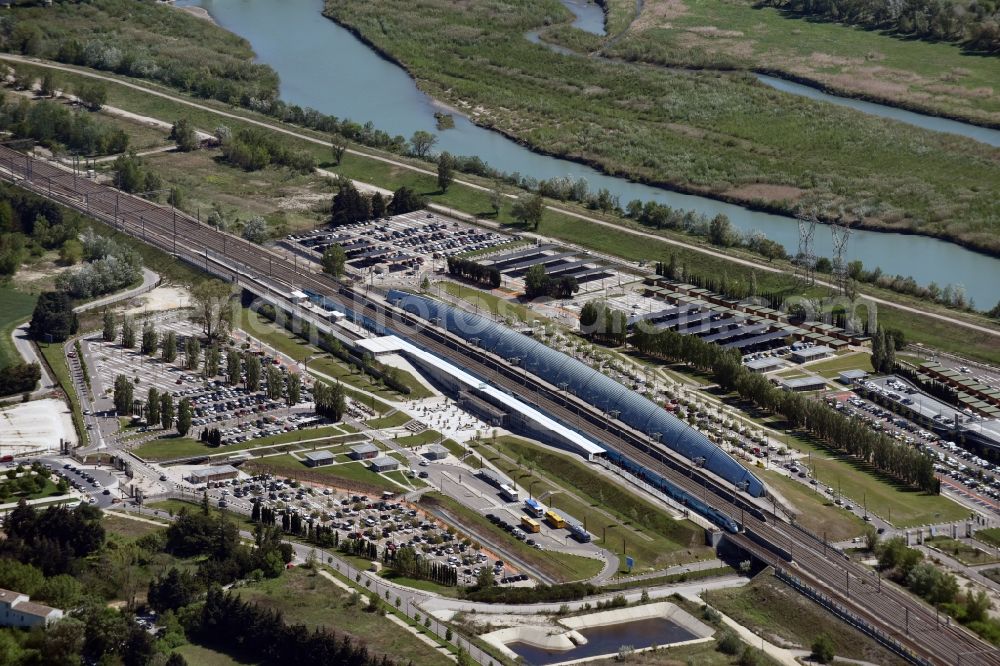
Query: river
[324, 66]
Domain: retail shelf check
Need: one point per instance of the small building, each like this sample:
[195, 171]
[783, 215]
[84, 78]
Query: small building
[384, 464]
[365, 451]
[436, 452]
[299, 297]
[765, 364]
[213, 473]
[804, 384]
[848, 377]
[17, 610]
[811, 353]
[318, 458]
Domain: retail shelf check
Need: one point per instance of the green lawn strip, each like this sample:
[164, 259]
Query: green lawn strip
[169, 447]
[965, 553]
[126, 528]
[860, 484]
[394, 420]
[831, 367]
[818, 515]
[768, 607]
[53, 354]
[489, 302]
[560, 566]
[420, 584]
[459, 451]
[918, 328]
[989, 535]
[636, 527]
[353, 471]
[419, 439]
[15, 307]
[303, 596]
[699, 574]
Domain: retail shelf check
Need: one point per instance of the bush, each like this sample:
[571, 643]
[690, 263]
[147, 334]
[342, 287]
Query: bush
[727, 642]
[822, 649]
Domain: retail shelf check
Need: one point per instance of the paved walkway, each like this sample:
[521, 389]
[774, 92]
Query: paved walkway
[621, 228]
[26, 348]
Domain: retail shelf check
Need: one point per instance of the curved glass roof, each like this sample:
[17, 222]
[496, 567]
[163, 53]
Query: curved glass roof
[583, 381]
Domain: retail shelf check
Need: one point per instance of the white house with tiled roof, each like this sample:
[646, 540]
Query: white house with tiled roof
[17, 610]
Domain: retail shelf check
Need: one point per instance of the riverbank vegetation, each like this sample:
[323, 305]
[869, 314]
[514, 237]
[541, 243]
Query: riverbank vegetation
[933, 76]
[710, 133]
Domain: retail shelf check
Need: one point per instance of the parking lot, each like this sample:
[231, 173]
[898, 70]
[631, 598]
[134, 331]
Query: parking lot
[241, 413]
[388, 523]
[418, 241]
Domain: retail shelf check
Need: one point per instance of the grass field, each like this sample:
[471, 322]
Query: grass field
[989, 535]
[305, 597]
[818, 515]
[903, 507]
[352, 471]
[830, 367]
[15, 307]
[53, 354]
[174, 506]
[393, 420]
[48, 490]
[965, 553]
[937, 77]
[770, 608]
[488, 302]
[632, 525]
[169, 447]
[126, 527]
[721, 134]
[203, 656]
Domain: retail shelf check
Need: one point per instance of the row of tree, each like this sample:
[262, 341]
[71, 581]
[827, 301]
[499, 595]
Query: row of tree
[852, 436]
[468, 269]
[350, 206]
[602, 324]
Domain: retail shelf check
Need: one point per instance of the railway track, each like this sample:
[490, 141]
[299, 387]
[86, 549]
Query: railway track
[894, 614]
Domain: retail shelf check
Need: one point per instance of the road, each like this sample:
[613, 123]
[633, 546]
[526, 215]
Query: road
[887, 610]
[761, 266]
[149, 281]
[26, 348]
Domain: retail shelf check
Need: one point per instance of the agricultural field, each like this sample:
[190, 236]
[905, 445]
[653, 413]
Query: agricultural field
[716, 133]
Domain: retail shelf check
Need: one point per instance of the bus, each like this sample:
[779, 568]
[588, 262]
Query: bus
[577, 531]
[530, 525]
[534, 508]
[508, 493]
[554, 519]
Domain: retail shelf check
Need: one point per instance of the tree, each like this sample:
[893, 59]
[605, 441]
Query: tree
[150, 339]
[536, 282]
[192, 352]
[720, 231]
[212, 357]
[183, 133]
[49, 84]
[338, 147]
[294, 391]
[379, 206]
[153, 406]
[274, 383]
[496, 198]
[123, 395]
[71, 252]
[405, 200]
[169, 353]
[184, 414]
[334, 261]
[445, 170]
[528, 208]
[421, 143]
[166, 411]
[128, 333]
[255, 230]
[211, 300]
[253, 372]
[329, 400]
[176, 197]
[349, 205]
[822, 649]
[110, 326]
[92, 95]
[234, 367]
[62, 642]
[53, 319]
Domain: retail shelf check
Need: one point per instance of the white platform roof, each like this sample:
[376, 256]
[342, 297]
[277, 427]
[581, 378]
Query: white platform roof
[567, 434]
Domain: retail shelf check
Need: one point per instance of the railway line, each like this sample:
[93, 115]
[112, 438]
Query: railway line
[920, 634]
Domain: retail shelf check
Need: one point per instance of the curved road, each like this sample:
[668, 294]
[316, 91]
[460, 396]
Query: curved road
[403, 165]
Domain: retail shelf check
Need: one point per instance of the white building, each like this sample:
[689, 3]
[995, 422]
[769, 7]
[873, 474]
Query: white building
[16, 610]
